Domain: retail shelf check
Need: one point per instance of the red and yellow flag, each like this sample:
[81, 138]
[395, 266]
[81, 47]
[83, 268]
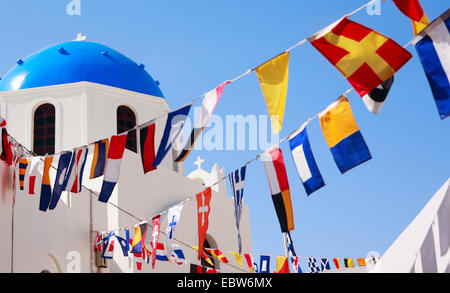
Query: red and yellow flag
[282, 264]
[217, 254]
[414, 11]
[366, 58]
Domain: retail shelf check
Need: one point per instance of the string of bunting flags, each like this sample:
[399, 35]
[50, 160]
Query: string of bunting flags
[105, 243]
[366, 58]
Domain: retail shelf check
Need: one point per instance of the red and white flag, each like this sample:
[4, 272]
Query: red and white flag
[74, 174]
[112, 171]
[203, 210]
[34, 167]
[2, 121]
[156, 221]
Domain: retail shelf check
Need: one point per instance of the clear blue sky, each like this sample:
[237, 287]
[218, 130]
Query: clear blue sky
[192, 46]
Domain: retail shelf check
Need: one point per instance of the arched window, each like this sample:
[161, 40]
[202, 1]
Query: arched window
[127, 120]
[44, 130]
[203, 261]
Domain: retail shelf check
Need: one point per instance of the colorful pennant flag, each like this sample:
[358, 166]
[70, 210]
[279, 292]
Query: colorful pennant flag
[273, 78]
[203, 210]
[312, 263]
[289, 243]
[99, 158]
[337, 263]
[343, 136]
[366, 58]
[174, 124]
[108, 250]
[361, 261]
[34, 167]
[249, 260]
[123, 244]
[217, 254]
[264, 264]
[155, 237]
[46, 188]
[58, 187]
[177, 254]
[348, 262]
[238, 257]
[282, 265]
[147, 142]
[324, 264]
[413, 10]
[23, 164]
[296, 264]
[140, 231]
[432, 45]
[304, 160]
[374, 100]
[237, 179]
[279, 187]
[173, 217]
[112, 172]
[204, 255]
[208, 105]
[74, 176]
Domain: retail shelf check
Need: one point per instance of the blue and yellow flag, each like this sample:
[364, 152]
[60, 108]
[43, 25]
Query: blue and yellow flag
[343, 136]
[140, 232]
[100, 158]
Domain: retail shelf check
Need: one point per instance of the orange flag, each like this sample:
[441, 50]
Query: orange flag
[203, 210]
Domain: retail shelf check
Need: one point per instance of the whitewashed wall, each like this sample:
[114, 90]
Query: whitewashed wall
[54, 240]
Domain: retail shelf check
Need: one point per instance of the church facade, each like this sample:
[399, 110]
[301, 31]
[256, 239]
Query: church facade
[70, 95]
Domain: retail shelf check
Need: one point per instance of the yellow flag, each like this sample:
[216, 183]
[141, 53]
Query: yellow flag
[361, 261]
[238, 257]
[273, 78]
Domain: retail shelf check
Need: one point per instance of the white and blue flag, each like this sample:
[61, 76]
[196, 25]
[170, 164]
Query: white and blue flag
[174, 124]
[173, 217]
[324, 264]
[304, 160]
[237, 179]
[264, 265]
[433, 47]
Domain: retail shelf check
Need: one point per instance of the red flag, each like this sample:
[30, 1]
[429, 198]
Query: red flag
[147, 142]
[6, 154]
[249, 260]
[155, 237]
[414, 11]
[203, 210]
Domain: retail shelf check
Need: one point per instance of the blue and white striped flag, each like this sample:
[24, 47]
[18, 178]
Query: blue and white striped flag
[304, 160]
[237, 179]
[433, 46]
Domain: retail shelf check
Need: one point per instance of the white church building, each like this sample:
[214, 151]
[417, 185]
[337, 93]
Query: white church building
[70, 95]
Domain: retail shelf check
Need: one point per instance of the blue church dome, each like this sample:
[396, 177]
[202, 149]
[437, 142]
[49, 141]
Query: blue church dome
[79, 61]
